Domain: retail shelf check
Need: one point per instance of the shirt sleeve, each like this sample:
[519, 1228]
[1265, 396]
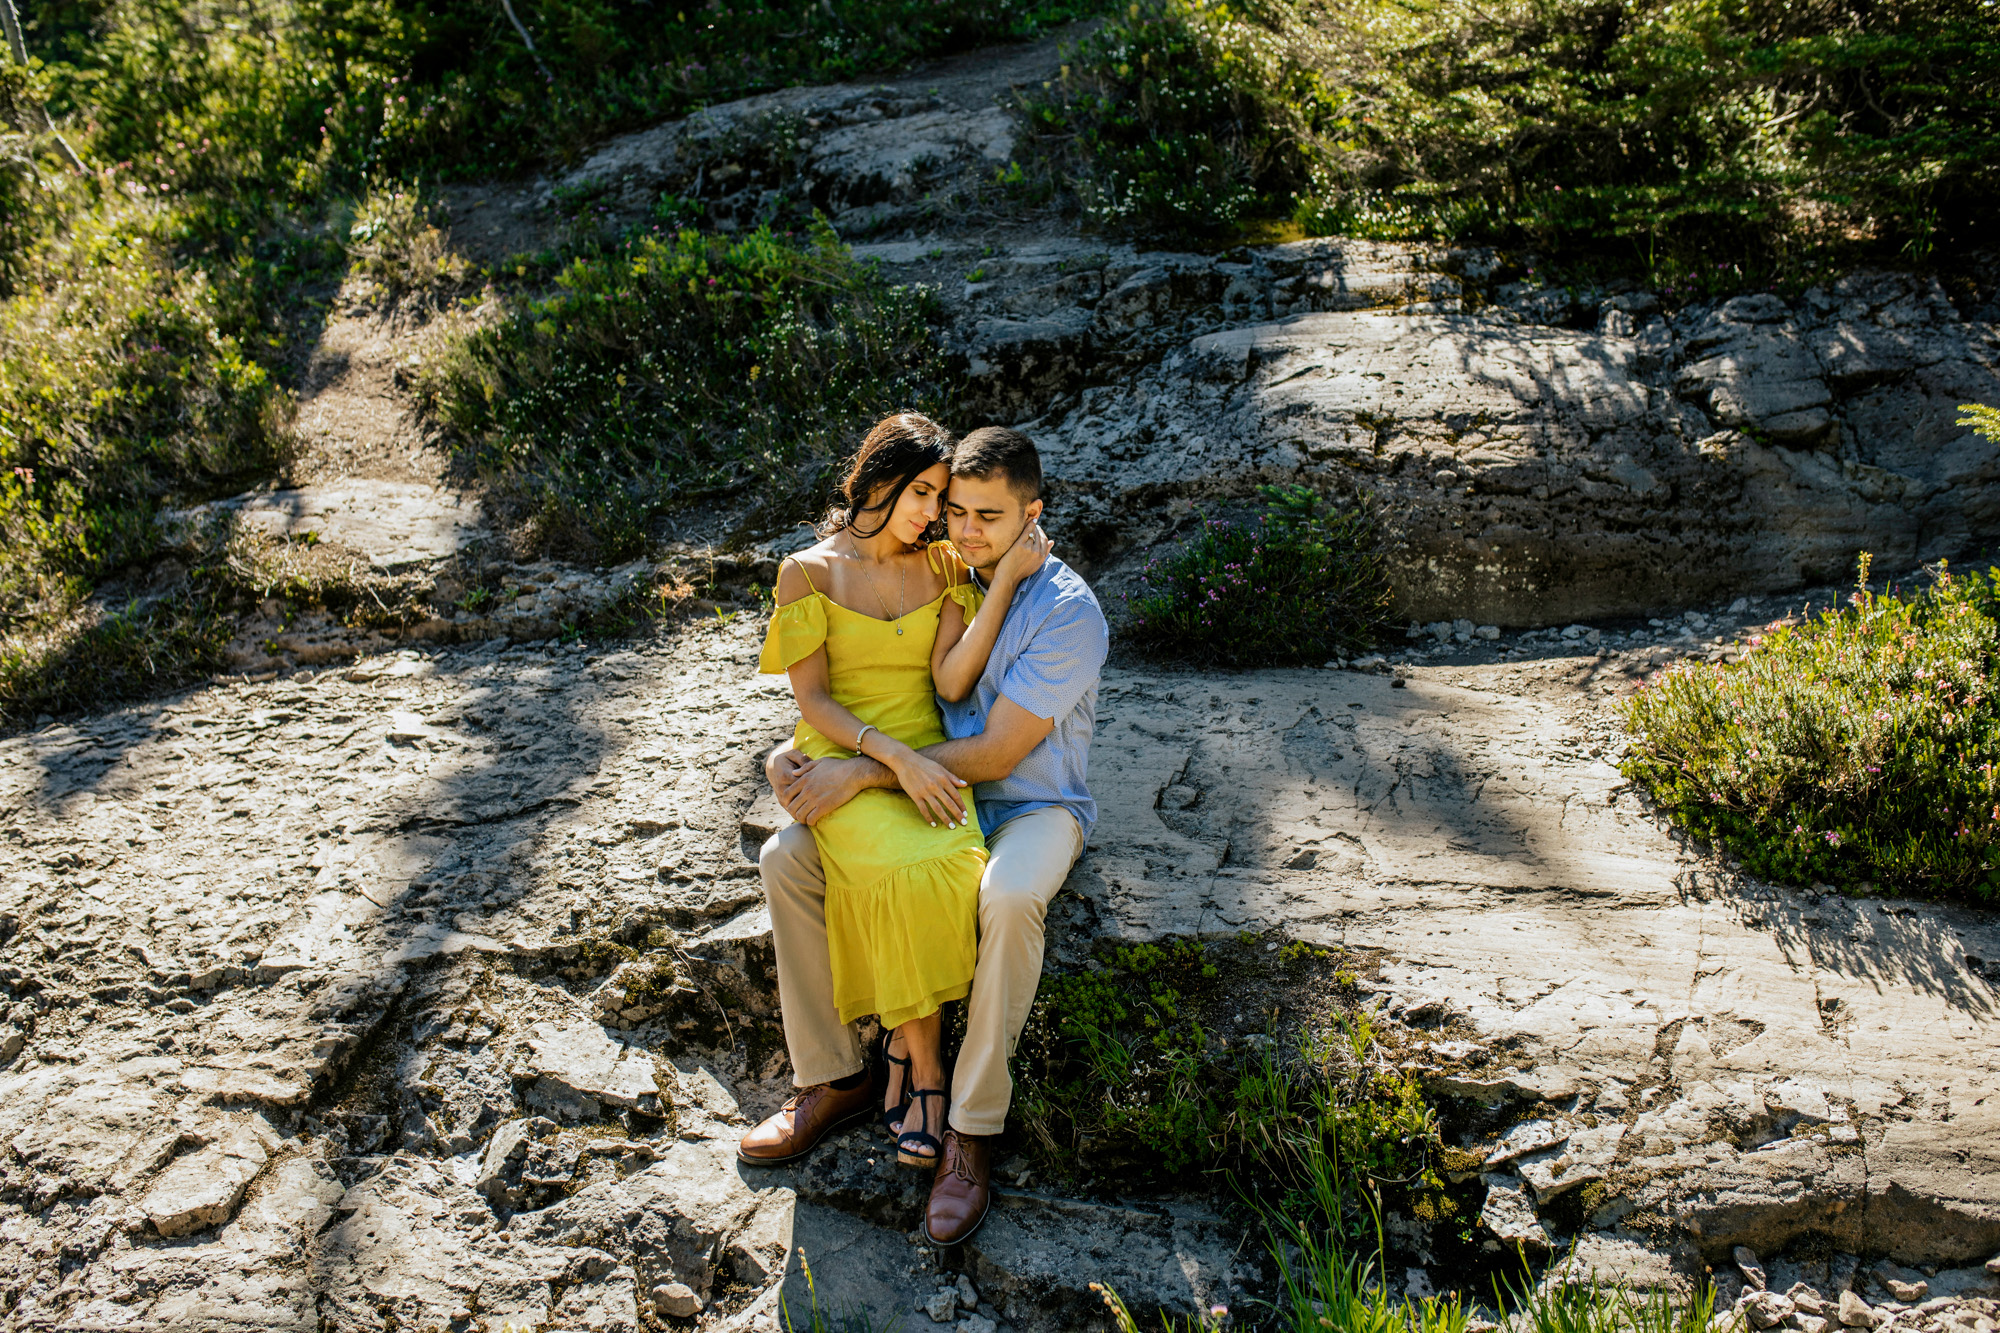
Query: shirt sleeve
[1061, 662]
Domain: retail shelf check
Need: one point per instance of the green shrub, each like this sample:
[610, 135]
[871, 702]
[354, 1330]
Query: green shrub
[1985, 421]
[1303, 583]
[1177, 115]
[334, 94]
[1123, 1072]
[95, 655]
[677, 367]
[124, 384]
[394, 240]
[1749, 131]
[1856, 748]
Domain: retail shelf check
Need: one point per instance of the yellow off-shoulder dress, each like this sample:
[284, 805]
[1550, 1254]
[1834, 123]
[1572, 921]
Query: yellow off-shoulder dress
[902, 897]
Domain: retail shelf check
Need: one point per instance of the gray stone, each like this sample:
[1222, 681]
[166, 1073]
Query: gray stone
[1530, 1136]
[1766, 1309]
[1573, 421]
[204, 1188]
[689, 1218]
[942, 1306]
[1752, 1268]
[391, 524]
[1509, 1213]
[1857, 1313]
[1036, 1257]
[580, 1070]
[676, 1300]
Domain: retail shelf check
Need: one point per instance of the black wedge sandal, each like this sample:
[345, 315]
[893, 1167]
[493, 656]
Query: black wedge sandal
[892, 1117]
[917, 1138]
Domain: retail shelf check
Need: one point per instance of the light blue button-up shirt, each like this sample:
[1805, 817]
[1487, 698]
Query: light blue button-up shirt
[1047, 659]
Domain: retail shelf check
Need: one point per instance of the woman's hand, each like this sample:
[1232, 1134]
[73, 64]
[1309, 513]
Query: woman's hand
[1025, 556]
[934, 788]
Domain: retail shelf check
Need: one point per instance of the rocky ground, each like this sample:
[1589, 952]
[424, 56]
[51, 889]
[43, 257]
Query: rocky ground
[417, 977]
[433, 990]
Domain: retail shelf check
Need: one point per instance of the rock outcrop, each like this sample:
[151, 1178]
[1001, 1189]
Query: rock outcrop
[1537, 456]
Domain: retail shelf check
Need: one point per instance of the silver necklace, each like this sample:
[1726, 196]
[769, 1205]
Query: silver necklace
[902, 594]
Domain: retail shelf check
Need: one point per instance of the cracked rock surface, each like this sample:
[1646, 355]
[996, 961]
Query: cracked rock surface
[440, 990]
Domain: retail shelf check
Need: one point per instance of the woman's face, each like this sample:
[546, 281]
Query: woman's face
[918, 506]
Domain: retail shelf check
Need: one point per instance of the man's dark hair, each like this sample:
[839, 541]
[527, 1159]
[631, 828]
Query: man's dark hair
[992, 449]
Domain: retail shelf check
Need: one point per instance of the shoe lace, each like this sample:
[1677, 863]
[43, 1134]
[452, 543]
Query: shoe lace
[958, 1159]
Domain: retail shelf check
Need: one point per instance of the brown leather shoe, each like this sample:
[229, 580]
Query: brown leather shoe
[962, 1190]
[807, 1117]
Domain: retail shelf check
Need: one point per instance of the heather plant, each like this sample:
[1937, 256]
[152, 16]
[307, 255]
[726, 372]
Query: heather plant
[1856, 748]
[1173, 118]
[1301, 583]
[676, 367]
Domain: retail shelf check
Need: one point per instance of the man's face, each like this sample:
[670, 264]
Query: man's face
[985, 517]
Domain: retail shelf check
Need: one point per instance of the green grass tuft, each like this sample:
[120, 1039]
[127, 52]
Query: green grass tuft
[1123, 1074]
[1303, 583]
[676, 367]
[1856, 749]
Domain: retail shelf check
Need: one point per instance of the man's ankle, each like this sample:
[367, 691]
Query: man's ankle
[850, 1083]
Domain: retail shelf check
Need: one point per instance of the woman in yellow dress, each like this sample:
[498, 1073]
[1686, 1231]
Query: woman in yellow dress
[873, 623]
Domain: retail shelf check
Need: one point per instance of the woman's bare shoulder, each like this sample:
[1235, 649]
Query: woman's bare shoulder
[806, 572]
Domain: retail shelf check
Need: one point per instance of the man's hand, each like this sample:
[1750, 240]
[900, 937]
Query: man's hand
[812, 789]
[1025, 556]
[783, 768]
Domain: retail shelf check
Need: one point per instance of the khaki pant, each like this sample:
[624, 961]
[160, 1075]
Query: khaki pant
[1028, 858]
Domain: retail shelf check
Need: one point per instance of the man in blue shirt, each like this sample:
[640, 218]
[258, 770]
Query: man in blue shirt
[1022, 738]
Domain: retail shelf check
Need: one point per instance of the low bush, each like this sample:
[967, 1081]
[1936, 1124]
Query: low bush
[1748, 131]
[1857, 748]
[242, 154]
[394, 240]
[125, 382]
[676, 367]
[331, 95]
[1302, 583]
[1160, 1065]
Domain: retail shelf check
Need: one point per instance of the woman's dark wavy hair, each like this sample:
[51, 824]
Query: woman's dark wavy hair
[898, 450]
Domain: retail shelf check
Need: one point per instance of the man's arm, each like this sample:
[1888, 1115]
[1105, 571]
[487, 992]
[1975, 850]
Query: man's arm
[820, 786]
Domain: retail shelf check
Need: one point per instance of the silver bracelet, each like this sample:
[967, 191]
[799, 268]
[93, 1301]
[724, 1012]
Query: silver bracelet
[860, 735]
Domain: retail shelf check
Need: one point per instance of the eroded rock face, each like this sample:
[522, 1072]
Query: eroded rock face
[867, 156]
[1538, 456]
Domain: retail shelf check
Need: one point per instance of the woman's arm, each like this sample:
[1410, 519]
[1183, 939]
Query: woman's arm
[928, 783]
[959, 657]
